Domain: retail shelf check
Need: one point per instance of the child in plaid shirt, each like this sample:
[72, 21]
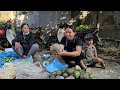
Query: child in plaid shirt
[90, 54]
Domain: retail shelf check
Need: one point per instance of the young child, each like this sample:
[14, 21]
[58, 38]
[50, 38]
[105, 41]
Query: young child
[90, 54]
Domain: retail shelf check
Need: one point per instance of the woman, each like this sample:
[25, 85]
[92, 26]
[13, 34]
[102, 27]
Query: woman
[71, 46]
[24, 42]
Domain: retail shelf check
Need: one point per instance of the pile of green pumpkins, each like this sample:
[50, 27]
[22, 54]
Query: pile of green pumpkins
[71, 73]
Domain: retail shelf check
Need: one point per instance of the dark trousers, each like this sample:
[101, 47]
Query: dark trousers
[77, 59]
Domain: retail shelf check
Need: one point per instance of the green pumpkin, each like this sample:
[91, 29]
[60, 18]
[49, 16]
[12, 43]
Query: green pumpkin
[76, 74]
[51, 76]
[58, 72]
[69, 71]
[65, 75]
[59, 77]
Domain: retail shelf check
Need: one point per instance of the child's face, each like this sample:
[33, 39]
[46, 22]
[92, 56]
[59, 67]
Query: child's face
[25, 29]
[69, 33]
[89, 42]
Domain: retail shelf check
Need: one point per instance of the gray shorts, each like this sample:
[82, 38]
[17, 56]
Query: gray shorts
[86, 61]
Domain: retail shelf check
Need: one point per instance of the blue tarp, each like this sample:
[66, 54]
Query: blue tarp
[55, 65]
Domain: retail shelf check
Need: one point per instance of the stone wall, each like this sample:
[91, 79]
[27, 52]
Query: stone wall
[42, 18]
[109, 23]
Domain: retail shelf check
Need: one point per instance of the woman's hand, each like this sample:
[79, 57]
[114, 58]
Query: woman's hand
[63, 53]
[17, 46]
[24, 56]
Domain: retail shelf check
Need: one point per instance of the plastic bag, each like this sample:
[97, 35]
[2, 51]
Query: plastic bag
[8, 50]
[9, 54]
[8, 71]
[30, 71]
[1, 64]
[24, 60]
[55, 65]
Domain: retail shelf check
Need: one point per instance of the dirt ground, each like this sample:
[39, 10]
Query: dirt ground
[112, 70]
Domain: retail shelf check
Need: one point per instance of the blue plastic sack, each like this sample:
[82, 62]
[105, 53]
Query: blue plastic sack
[55, 65]
[27, 59]
[1, 63]
[9, 54]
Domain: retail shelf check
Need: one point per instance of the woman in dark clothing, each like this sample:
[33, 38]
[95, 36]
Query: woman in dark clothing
[71, 46]
[24, 42]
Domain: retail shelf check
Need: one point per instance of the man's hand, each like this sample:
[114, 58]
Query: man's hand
[17, 46]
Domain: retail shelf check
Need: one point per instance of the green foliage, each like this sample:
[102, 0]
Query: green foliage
[82, 27]
[2, 23]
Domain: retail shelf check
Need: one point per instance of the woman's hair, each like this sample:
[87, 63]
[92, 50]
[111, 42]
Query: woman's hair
[23, 25]
[71, 27]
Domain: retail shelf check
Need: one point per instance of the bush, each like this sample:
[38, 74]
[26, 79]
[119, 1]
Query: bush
[2, 25]
[82, 27]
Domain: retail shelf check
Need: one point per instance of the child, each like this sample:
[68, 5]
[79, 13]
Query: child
[90, 54]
